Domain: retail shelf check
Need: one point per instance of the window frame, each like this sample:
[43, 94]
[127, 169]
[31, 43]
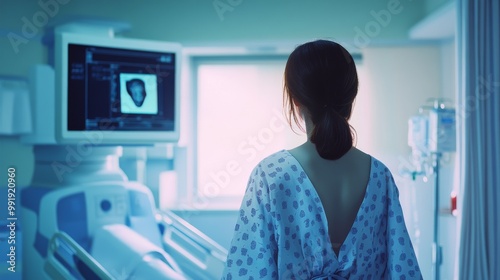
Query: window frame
[194, 58]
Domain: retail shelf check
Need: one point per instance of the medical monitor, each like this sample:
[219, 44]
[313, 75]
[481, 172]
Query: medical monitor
[116, 91]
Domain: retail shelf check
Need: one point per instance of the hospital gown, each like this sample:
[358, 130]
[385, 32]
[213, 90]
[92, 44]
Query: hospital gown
[282, 232]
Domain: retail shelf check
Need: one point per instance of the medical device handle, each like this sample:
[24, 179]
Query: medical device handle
[57, 270]
[193, 235]
[200, 256]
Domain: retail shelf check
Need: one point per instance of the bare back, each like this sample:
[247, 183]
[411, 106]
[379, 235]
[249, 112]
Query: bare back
[341, 186]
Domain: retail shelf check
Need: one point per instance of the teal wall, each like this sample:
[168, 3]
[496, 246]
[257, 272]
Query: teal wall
[433, 5]
[198, 20]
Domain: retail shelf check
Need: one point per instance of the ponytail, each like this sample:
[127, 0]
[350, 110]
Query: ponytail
[331, 135]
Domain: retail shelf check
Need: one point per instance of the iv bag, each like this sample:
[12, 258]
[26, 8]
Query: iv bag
[418, 133]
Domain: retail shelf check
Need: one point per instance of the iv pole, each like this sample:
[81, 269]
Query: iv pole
[436, 158]
[436, 249]
[438, 104]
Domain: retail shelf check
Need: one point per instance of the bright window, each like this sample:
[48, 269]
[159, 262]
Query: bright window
[240, 121]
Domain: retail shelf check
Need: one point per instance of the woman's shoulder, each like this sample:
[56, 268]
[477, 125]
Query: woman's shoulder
[379, 167]
[277, 166]
[273, 160]
[378, 164]
[379, 172]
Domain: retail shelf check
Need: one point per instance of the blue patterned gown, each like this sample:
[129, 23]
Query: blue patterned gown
[282, 231]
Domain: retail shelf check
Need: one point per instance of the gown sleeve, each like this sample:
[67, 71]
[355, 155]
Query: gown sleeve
[252, 253]
[402, 261]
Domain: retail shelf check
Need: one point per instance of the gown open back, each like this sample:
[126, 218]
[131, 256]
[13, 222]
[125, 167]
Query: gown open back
[282, 230]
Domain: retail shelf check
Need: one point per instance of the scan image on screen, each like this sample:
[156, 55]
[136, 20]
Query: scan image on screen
[111, 89]
[138, 93]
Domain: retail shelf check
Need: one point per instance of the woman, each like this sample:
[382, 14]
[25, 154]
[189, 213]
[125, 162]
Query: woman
[323, 210]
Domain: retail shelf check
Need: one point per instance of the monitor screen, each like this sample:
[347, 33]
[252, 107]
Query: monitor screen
[126, 90]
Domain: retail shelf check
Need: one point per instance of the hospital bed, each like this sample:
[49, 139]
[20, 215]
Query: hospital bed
[111, 230]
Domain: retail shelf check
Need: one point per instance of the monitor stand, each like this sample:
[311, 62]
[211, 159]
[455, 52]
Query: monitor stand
[66, 165]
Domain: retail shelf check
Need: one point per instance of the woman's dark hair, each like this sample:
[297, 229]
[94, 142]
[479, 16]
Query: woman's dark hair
[321, 77]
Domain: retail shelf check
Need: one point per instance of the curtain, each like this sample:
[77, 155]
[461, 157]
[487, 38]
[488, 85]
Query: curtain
[478, 119]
